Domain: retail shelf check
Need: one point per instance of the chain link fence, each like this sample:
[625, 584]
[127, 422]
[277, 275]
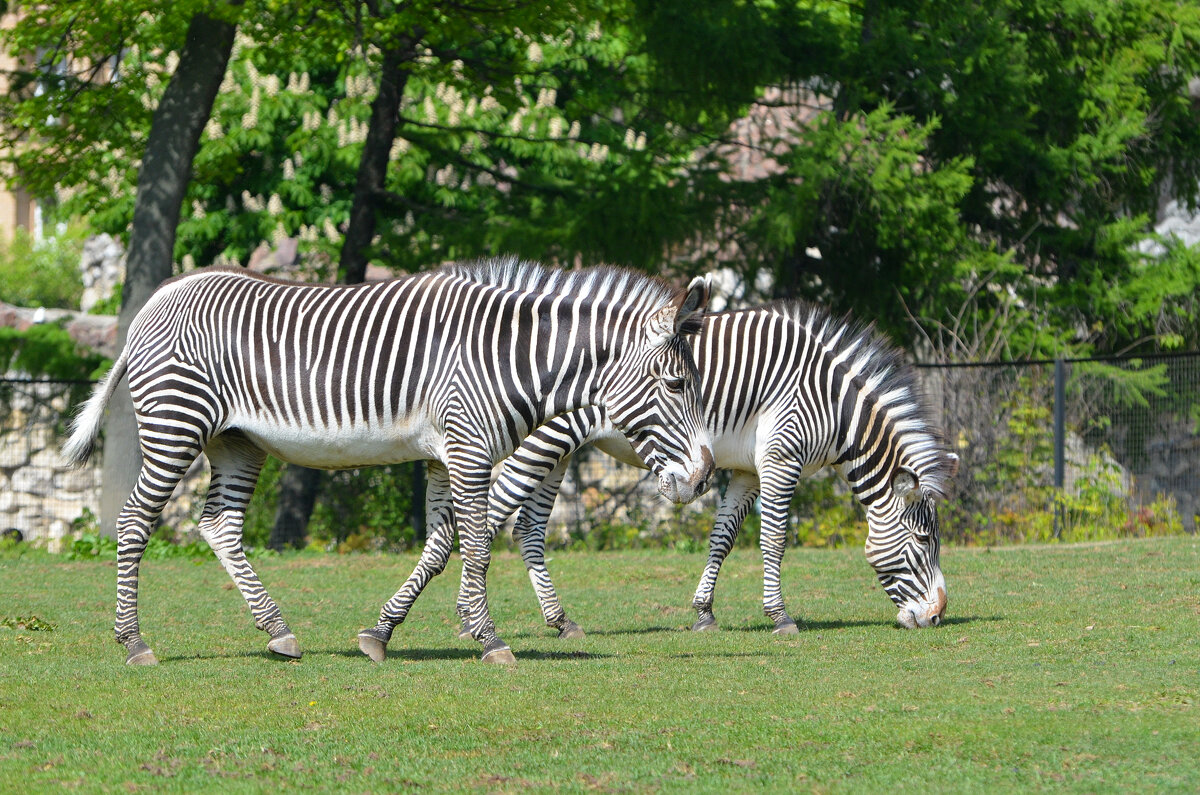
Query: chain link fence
[39, 497]
[1060, 449]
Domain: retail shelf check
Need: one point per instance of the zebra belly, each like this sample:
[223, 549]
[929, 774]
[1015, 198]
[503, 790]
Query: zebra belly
[411, 439]
[735, 449]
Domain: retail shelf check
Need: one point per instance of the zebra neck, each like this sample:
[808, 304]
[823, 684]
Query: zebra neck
[571, 346]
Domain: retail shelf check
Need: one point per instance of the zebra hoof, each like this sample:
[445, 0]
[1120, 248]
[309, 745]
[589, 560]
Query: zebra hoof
[140, 654]
[285, 646]
[498, 652]
[706, 624]
[464, 633]
[570, 631]
[786, 626]
[372, 646]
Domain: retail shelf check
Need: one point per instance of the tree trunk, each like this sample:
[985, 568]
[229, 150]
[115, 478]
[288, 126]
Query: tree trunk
[166, 171]
[299, 485]
[416, 509]
[298, 490]
[372, 167]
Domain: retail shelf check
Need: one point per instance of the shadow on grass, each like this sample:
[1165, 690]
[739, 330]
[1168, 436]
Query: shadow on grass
[637, 631]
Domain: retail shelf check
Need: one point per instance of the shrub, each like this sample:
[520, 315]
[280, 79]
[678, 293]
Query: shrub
[42, 273]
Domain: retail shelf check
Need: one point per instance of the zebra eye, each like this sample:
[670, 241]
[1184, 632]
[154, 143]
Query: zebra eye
[674, 384]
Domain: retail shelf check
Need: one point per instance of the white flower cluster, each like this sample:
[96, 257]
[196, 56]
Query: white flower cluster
[452, 98]
[254, 204]
[546, 97]
[298, 84]
[634, 141]
[250, 117]
[311, 120]
[399, 147]
[359, 86]
[352, 132]
[331, 231]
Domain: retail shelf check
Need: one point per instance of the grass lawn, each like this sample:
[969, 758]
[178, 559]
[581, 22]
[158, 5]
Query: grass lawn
[1058, 667]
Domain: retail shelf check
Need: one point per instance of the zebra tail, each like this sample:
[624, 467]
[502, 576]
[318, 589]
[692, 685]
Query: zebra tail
[85, 425]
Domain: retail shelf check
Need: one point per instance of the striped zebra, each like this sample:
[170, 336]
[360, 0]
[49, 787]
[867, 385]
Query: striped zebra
[787, 390]
[447, 366]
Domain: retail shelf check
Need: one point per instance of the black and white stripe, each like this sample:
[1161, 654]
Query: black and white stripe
[787, 390]
[454, 366]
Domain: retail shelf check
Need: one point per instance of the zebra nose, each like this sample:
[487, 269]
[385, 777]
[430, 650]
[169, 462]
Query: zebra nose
[935, 620]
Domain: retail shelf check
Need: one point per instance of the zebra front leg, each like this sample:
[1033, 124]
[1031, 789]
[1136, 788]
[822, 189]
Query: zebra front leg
[439, 541]
[469, 486]
[530, 533]
[735, 504]
[236, 463]
[159, 475]
[778, 486]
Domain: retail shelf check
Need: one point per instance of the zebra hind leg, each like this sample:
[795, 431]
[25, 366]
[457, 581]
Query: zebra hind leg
[161, 472]
[236, 463]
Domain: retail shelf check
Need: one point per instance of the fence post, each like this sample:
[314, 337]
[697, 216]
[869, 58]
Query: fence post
[1060, 379]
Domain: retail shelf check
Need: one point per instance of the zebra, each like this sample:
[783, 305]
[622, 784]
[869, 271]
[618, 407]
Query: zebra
[788, 389]
[445, 365]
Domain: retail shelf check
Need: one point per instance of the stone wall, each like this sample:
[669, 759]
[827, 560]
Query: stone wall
[40, 496]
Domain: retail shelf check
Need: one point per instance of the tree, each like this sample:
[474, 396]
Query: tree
[1012, 150]
[174, 134]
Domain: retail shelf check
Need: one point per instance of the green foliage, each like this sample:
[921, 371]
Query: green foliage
[260, 514]
[26, 623]
[48, 350]
[365, 509]
[88, 543]
[92, 545]
[45, 273]
[824, 515]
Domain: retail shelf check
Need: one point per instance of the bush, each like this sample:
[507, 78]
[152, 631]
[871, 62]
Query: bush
[43, 273]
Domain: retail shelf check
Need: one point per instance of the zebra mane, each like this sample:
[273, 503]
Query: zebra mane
[878, 366]
[604, 282]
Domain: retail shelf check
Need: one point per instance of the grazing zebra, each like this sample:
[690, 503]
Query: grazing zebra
[787, 390]
[444, 365]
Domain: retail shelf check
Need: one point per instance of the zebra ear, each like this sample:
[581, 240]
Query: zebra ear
[905, 484]
[694, 301]
[669, 321]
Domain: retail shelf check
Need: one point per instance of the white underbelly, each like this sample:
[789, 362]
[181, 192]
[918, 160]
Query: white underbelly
[736, 449]
[413, 439]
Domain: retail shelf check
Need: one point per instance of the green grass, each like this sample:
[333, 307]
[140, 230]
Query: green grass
[1059, 667]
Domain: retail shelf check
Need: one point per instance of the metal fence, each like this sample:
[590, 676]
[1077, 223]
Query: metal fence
[1125, 452]
[39, 497]
[1051, 448]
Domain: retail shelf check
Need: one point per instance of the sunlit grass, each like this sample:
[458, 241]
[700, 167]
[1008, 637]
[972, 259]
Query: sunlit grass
[1058, 666]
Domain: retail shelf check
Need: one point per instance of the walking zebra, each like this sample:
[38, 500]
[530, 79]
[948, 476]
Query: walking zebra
[787, 390]
[444, 365]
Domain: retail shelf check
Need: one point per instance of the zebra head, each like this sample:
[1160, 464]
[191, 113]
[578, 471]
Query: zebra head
[654, 399]
[902, 545]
